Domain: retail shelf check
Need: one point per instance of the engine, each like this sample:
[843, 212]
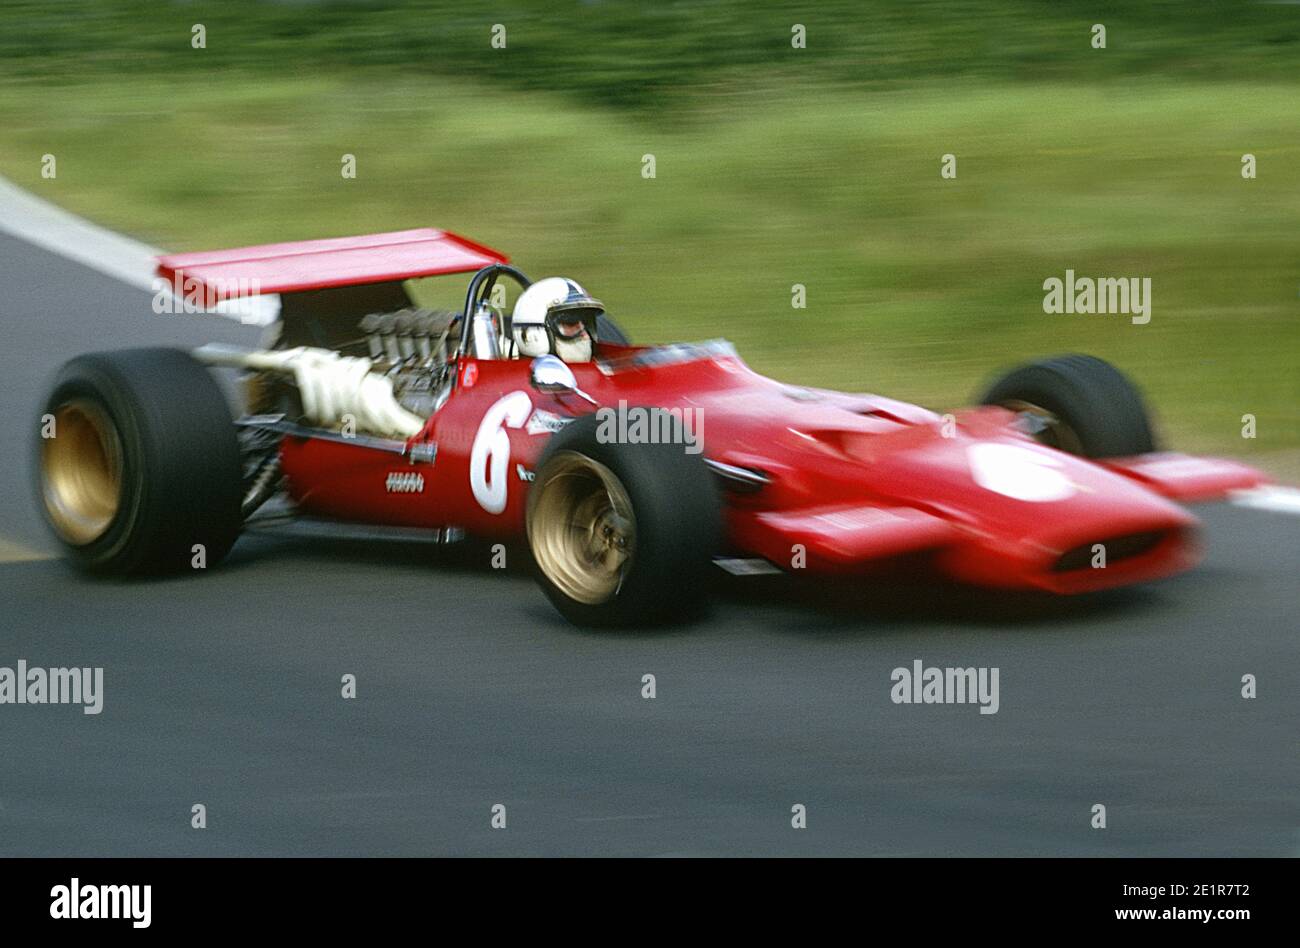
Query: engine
[411, 348]
[401, 379]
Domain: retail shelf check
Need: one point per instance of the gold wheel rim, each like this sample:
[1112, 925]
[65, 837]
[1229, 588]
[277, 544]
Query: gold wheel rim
[581, 527]
[1054, 433]
[81, 472]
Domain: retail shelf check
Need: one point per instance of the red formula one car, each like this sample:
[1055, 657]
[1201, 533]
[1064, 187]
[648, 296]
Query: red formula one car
[632, 472]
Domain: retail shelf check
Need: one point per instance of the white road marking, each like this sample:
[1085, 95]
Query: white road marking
[39, 222]
[1278, 499]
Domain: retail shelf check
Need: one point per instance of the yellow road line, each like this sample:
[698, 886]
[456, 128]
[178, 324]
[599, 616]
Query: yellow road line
[11, 552]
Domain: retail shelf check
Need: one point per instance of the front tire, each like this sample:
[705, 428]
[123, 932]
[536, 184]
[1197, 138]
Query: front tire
[138, 465]
[1080, 404]
[622, 533]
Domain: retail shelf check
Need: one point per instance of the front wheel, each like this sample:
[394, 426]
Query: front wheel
[622, 533]
[1079, 404]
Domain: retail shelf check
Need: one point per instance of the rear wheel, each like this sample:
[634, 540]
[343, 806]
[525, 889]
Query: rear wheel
[138, 466]
[622, 534]
[1079, 404]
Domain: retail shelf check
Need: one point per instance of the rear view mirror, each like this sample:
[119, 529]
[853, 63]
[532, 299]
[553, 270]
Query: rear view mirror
[549, 374]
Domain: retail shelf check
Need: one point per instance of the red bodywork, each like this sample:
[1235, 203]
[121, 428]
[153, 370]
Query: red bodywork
[850, 480]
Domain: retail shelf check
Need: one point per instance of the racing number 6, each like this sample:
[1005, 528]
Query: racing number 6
[490, 456]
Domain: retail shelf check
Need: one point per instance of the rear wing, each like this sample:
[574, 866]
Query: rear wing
[325, 286]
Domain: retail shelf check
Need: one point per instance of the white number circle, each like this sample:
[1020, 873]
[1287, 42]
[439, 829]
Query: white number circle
[1019, 472]
[489, 459]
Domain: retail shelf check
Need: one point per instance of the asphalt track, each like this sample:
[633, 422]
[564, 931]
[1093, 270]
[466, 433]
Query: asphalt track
[224, 689]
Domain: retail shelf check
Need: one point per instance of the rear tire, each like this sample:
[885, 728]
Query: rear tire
[1087, 406]
[622, 534]
[143, 465]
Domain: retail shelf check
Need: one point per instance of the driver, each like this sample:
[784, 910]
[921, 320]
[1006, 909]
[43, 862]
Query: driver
[555, 316]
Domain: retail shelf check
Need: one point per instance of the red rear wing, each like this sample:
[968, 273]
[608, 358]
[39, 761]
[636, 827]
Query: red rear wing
[322, 264]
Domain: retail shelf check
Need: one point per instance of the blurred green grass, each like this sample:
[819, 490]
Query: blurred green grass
[917, 287]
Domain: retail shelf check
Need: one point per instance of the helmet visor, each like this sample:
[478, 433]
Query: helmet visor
[571, 321]
[570, 325]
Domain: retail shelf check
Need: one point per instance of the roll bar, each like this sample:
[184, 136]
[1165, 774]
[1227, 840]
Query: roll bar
[479, 287]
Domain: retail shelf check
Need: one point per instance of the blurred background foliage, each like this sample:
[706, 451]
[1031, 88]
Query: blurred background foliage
[774, 166]
[653, 58]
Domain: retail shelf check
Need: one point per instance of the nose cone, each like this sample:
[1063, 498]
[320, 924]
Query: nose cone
[1036, 517]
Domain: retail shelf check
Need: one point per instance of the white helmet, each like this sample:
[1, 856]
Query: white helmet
[555, 316]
